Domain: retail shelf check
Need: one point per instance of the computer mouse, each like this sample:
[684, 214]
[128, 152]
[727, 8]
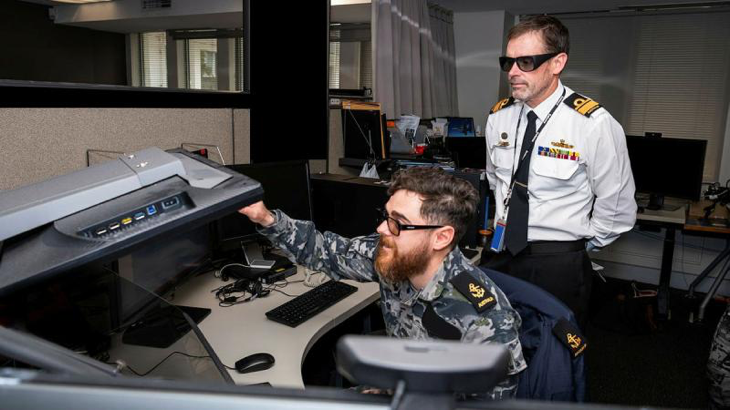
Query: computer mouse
[255, 363]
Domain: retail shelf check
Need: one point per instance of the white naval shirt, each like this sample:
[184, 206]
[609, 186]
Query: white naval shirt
[562, 190]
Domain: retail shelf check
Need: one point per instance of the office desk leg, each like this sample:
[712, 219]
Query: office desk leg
[724, 254]
[713, 289]
[665, 275]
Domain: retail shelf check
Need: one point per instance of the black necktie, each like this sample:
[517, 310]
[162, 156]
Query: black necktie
[519, 208]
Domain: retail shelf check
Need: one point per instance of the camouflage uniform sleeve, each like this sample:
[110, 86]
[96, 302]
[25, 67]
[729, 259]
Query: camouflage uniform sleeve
[338, 257]
[499, 326]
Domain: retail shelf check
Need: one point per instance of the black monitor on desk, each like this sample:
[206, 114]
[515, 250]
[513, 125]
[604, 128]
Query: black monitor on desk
[667, 167]
[470, 152]
[365, 134]
[151, 273]
[286, 187]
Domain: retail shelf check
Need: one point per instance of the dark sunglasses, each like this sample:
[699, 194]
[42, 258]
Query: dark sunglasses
[525, 63]
[396, 227]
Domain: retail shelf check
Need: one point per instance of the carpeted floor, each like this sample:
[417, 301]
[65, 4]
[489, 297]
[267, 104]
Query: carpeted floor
[634, 359]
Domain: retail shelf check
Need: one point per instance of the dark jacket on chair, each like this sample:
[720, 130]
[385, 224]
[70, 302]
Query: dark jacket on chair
[552, 371]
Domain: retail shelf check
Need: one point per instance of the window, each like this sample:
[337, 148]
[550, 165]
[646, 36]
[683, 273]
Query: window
[664, 73]
[239, 64]
[193, 59]
[201, 64]
[350, 62]
[153, 57]
[334, 65]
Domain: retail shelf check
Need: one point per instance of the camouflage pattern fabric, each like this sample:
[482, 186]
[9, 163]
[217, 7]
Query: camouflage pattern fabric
[718, 365]
[403, 305]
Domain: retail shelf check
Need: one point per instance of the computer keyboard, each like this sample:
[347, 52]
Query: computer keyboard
[310, 303]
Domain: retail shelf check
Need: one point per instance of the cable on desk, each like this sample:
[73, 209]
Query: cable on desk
[122, 365]
[246, 290]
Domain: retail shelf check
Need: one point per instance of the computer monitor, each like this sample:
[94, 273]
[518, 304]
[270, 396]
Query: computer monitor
[667, 167]
[460, 127]
[286, 187]
[362, 131]
[468, 152]
[160, 267]
[148, 275]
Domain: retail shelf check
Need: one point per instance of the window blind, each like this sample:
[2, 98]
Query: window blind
[154, 59]
[366, 65]
[239, 64]
[334, 65]
[663, 73]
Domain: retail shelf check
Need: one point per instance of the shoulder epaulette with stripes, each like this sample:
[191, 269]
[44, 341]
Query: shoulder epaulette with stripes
[583, 105]
[502, 104]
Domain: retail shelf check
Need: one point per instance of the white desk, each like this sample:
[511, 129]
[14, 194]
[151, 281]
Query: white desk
[238, 331]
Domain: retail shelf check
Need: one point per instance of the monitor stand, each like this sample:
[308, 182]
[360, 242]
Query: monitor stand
[163, 326]
[656, 202]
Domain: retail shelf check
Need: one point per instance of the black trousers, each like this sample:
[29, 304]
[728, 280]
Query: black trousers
[561, 268]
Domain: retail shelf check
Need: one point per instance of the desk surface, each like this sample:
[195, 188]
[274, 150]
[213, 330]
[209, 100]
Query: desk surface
[677, 216]
[238, 331]
[698, 225]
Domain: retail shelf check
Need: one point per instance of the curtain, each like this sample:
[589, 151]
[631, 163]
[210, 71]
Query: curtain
[414, 59]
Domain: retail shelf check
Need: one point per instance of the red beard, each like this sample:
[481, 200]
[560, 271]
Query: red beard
[395, 267]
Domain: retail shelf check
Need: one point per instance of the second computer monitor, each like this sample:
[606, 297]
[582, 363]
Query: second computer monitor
[667, 167]
[461, 127]
[468, 152]
[286, 187]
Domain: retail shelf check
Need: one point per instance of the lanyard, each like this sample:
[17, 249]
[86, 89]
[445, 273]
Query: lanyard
[524, 154]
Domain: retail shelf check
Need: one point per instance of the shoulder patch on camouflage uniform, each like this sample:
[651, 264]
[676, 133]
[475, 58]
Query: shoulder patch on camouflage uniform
[583, 105]
[570, 336]
[474, 290]
[502, 104]
[438, 327]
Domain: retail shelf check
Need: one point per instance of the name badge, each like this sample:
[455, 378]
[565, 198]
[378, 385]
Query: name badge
[498, 237]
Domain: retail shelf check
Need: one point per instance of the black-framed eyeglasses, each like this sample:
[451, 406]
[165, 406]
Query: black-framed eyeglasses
[525, 63]
[396, 227]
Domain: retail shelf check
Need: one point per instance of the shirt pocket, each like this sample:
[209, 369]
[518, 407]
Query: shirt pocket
[502, 158]
[560, 169]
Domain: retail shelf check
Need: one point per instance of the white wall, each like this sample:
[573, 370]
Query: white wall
[478, 39]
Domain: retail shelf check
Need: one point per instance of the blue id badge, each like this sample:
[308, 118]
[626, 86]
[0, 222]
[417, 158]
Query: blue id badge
[498, 237]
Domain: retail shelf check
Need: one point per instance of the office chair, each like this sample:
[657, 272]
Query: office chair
[553, 371]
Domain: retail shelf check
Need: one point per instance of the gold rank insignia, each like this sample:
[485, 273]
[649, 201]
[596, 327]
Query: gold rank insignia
[583, 105]
[474, 291]
[570, 336]
[502, 104]
[561, 144]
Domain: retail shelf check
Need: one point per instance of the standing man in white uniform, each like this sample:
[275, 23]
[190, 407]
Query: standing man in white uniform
[559, 168]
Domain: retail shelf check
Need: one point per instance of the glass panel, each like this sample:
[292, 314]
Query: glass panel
[120, 43]
[201, 67]
[154, 59]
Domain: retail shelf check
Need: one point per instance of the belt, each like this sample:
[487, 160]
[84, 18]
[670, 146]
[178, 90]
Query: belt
[539, 247]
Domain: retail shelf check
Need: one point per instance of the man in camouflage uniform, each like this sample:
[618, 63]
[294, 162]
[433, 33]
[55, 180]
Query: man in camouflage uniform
[428, 289]
[718, 365]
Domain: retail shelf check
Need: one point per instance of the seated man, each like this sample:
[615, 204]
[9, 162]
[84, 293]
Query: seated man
[428, 289]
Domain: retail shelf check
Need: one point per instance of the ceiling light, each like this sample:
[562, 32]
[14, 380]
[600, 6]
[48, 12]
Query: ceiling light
[78, 1]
